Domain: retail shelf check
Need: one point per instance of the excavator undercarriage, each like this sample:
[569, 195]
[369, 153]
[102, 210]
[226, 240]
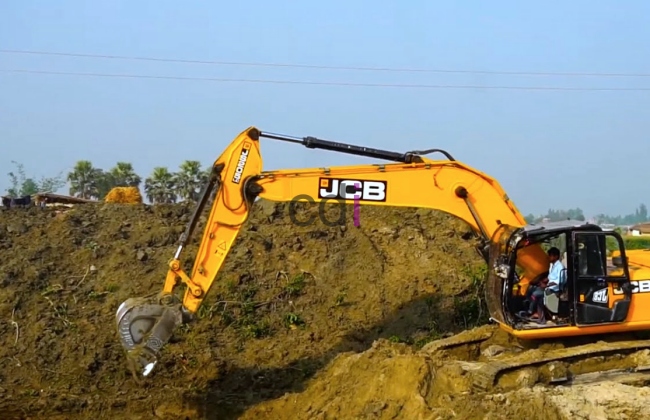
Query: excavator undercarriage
[487, 365]
[605, 293]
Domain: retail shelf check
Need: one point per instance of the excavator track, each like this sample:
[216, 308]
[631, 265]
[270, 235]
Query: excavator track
[484, 377]
[514, 367]
[473, 336]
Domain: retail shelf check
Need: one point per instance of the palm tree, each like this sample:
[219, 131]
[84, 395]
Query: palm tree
[84, 180]
[159, 187]
[189, 180]
[104, 183]
[207, 172]
[123, 175]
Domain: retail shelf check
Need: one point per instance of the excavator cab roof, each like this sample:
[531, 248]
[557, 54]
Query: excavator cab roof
[541, 232]
[514, 238]
[560, 226]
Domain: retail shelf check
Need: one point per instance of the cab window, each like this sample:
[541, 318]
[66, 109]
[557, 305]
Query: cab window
[593, 253]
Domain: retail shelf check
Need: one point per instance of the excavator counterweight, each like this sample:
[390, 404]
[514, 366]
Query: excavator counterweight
[605, 290]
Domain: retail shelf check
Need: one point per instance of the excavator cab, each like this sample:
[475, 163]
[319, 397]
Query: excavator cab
[595, 291]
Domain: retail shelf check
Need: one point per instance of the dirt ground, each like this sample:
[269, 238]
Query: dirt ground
[396, 381]
[309, 322]
[287, 301]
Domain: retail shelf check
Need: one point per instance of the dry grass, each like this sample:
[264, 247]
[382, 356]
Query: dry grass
[124, 195]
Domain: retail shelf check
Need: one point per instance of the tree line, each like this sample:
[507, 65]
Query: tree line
[164, 186]
[22, 185]
[90, 182]
[640, 215]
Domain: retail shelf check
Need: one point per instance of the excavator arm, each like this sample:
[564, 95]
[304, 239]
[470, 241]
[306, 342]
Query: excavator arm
[237, 180]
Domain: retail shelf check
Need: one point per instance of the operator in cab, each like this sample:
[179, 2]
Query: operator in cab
[551, 284]
[555, 271]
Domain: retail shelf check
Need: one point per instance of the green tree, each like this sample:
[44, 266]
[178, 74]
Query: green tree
[104, 183]
[557, 215]
[21, 185]
[85, 180]
[189, 180]
[29, 187]
[641, 213]
[51, 185]
[123, 175]
[160, 186]
[207, 172]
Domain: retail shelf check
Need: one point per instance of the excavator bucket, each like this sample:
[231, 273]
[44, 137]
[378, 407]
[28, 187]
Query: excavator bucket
[144, 326]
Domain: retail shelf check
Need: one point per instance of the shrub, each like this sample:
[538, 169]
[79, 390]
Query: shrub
[637, 242]
[631, 242]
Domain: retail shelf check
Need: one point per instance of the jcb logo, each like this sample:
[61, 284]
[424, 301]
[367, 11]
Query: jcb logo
[241, 164]
[640, 286]
[350, 189]
[600, 296]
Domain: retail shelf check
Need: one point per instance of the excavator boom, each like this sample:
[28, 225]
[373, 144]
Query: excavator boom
[415, 181]
[238, 179]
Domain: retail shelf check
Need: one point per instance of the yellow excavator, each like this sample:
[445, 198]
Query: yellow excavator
[605, 289]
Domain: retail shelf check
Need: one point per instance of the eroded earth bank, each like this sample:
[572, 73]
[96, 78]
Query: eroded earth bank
[309, 322]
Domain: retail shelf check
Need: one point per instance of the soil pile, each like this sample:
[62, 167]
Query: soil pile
[288, 300]
[391, 381]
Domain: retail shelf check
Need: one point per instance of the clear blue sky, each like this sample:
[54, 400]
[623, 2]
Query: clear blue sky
[555, 149]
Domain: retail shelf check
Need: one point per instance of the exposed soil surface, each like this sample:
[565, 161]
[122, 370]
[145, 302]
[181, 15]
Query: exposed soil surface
[311, 322]
[395, 381]
[288, 300]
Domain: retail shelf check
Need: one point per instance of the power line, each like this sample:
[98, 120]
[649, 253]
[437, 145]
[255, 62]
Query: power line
[300, 82]
[323, 67]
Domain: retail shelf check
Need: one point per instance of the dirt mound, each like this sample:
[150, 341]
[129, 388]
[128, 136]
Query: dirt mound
[387, 381]
[288, 300]
[602, 401]
[392, 381]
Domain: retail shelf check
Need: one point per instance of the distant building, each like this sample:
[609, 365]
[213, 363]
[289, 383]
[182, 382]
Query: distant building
[641, 229]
